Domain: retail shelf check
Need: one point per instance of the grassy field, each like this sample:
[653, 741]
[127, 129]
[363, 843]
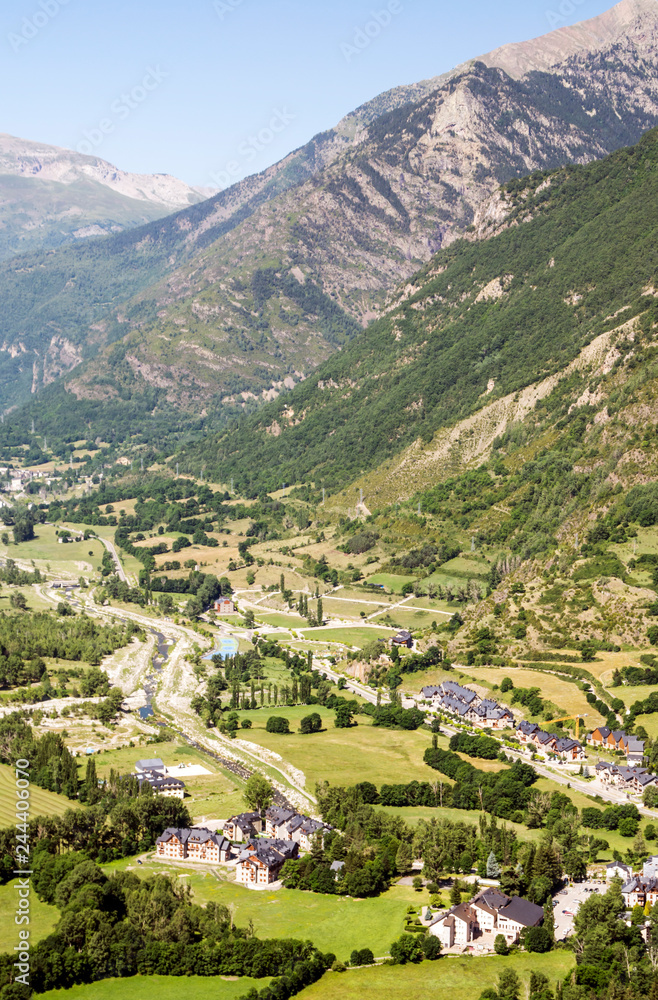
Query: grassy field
[447, 979]
[164, 987]
[279, 619]
[42, 917]
[333, 923]
[650, 723]
[392, 581]
[462, 564]
[42, 802]
[343, 756]
[72, 559]
[629, 694]
[563, 693]
[211, 796]
[349, 636]
[412, 815]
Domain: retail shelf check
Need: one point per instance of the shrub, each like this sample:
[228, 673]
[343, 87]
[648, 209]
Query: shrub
[277, 724]
[500, 945]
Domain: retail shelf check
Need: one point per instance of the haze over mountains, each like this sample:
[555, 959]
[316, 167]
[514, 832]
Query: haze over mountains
[50, 195]
[233, 300]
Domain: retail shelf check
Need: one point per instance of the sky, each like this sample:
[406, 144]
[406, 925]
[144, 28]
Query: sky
[184, 87]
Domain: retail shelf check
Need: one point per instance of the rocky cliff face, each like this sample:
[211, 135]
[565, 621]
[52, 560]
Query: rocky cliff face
[263, 282]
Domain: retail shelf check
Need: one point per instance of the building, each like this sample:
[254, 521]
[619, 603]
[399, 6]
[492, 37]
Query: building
[525, 731]
[618, 740]
[242, 827]
[616, 869]
[262, 859]
[650, 867]
[224, 606]
[491, 911]
[196, 844]
[629, 779]
[403, 638]
[490, 713]
[288, 825]
[151, 764]
[640, 890]
[171, 788]
[456, 927]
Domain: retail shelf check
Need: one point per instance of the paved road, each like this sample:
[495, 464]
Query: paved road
[120, 571]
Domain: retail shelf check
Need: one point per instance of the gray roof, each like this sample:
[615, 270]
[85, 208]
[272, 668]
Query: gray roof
[430, 691]
[336, 866]
[464, 694]
[522, 911]
[528, 728]
[150, 764]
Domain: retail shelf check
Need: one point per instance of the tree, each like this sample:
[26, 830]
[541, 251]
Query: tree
[537, 939]
[277, 724]
[407, 948]
[431, 947]
[455, 895]
[417, 883]
[549, 920]
[500, 944]
[509, 985]
[465, 862]
[575, 865]
[493, 868]
[18, 601]
[403, 858]
[311, 723]
[258, 793]
[343, 718]
[628, 826]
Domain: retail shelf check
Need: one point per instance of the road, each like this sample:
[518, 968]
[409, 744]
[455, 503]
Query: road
[120, 571]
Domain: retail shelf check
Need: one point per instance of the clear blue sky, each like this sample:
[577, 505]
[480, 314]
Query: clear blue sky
[221, 69]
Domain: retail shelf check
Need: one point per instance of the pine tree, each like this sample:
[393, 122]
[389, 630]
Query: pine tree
[549, 921]
[493, 868]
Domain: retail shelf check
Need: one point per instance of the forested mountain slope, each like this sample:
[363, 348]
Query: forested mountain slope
[575, 256]
[232, 301]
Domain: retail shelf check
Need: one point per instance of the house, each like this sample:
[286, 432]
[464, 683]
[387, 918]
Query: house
[634, 749]
[276, 818]
[490, 713]
[403, 638]
[455, 690]
[569, 749]
[208, 847]
[517, 914]
[151, 764]
[195, 844]
[599, 737]
[616, 869]
[262, 860]
[224, 606]
[430, 692]
[650, 867]
[242, 827]
[630, 779]
[337, 868]
[526, 730]
[544, 741]
[640, 890]
[171, 788]
[309, 831]
[455, 927]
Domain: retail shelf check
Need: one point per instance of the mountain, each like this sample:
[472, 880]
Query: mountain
[49, 196]
[486, 332]
[231, 302]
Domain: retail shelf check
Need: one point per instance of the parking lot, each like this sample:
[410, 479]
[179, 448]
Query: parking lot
[570, 901]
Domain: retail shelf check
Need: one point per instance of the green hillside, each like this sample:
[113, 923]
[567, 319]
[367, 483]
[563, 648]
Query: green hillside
[575, 258]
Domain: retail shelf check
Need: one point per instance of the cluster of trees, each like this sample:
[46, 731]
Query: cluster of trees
[25, 639]
[52, 763]
[505, 794]
[484, 747]
[366, 871]
[121, 925]
[395, 717]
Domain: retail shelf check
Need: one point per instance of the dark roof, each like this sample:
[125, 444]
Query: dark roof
[528, 728]
[430, 691]
[150, 764]
[604, 731]
[522, 911]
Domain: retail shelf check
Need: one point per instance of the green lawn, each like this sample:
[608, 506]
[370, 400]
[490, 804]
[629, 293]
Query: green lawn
[42, 917]
[356, 636]
[72, 558]
[162, 987]
[42, 802]
[412, 814]
[215, 795]
[447, 979]
[343, 756]
[629, 694]
[392, 581]
[333, 923]
[279, 619]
